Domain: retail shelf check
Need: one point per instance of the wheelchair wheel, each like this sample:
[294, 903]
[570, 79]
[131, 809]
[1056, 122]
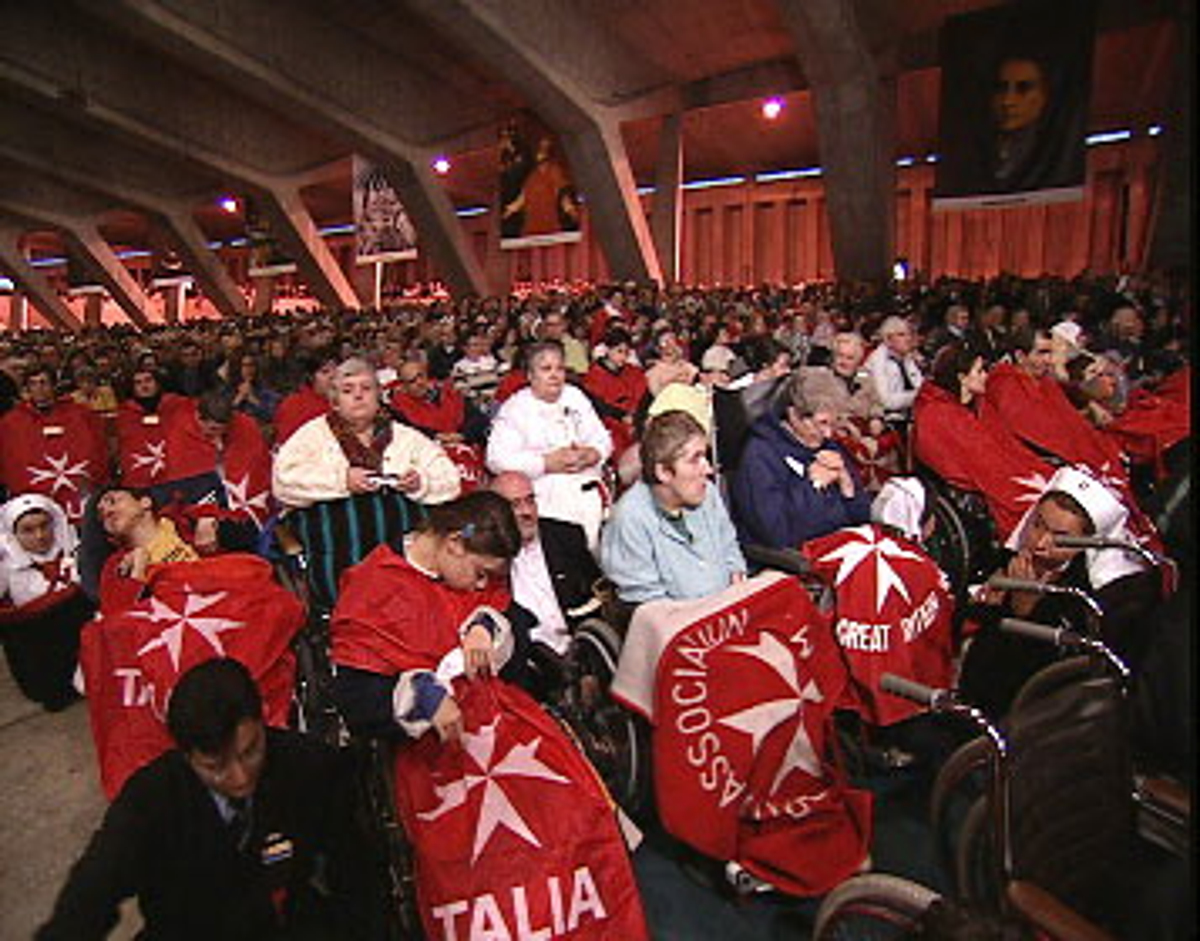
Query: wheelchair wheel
[612, 737]
[954, 788]
[949, 545]
[975, 866]
[872, 906]
[313, 711]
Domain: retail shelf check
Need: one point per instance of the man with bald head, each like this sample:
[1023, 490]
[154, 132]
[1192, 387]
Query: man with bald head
[553, 574]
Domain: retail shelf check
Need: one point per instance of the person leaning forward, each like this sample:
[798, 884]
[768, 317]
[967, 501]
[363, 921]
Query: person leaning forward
[222, 837]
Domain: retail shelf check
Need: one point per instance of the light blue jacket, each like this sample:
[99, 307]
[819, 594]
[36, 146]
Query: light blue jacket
[647, 557]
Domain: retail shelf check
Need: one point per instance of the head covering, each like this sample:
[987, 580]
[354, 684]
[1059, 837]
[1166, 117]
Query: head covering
[1109, 517]
[1069, 332]
[65, 539]
[900, 504]
[693, 399]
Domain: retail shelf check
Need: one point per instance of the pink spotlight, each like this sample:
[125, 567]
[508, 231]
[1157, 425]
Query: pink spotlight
[228, 204]
[772, 108]
[441, 166]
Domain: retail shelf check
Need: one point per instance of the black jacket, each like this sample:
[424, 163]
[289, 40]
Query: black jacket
[573, 569]
[163, 841]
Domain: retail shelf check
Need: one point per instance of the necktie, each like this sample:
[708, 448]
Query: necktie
[904, 379]
[239, 821]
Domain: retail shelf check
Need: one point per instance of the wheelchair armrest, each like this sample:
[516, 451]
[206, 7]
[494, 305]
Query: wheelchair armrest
[785, 560]
[1048, 914]
[1170, 795]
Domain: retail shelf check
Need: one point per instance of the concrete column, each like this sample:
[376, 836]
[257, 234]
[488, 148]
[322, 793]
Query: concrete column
[33, 283]
[666, 221]
[93, 309]
[293, 225]
[263, 287]
[442, 237]
[128, 294]
[18, 312]
[854, 101]
[203, 263]
[1173, 222]
[173, 301]
[601, 169]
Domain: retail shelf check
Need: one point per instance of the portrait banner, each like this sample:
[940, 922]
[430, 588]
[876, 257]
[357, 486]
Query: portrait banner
[538, 201]
[382, 229]
[1016, 89]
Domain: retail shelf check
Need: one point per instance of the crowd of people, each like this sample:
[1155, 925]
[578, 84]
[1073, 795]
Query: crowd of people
[537, 444]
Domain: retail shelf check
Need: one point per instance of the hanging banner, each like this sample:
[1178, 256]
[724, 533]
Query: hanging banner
[267, 256]
[382, 229]
[1016, 88]
[538, 201]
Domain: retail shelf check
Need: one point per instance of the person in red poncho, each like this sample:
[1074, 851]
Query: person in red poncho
[1026, 400]
[52, 446]
[405, 625]
[617, 388]
[142, 423]
[950, 439]
[311, 399]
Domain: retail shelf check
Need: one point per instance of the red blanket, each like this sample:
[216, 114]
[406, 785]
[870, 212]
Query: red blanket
[228, 605]
[740, 688]
[894, 614]
[515, 836]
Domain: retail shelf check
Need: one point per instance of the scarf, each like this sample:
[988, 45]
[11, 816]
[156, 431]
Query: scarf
[359, 454]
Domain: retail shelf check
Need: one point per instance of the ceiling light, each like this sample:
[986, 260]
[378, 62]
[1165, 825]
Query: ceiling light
[441, 166]
[772, 108]
[228, 204]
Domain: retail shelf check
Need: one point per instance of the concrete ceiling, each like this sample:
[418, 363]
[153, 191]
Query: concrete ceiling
[122, 111]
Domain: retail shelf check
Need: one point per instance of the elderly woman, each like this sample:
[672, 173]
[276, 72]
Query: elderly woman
[551, 433]
[357, 448]
[794, 482]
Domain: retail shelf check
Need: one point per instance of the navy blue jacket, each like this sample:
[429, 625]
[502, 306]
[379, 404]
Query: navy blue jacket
[775, 503]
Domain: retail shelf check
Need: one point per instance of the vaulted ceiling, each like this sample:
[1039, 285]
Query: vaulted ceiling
[124, 110]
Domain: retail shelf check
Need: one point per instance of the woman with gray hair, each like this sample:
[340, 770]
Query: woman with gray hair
[357, 448]
[794, 482]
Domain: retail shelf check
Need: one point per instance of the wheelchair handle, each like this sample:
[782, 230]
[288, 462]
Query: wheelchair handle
[1035, 630]
[1095, 614]
[912, 690]
[1102, 542]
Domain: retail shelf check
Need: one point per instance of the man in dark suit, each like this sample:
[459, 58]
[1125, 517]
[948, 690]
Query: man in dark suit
[221, 837]
[554, 573]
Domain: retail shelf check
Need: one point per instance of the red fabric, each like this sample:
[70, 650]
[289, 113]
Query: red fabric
[967, 453]
[743, 730]
[229, 605]
[623, 391]
[875, 458]
[244, 464]
[391, 617]
[1039, 413]
[468, 458]
[514, 381]
[894, 615]
[142, 440]
[17, 614]
[514, 835]
[445, 416]
[60, 453]
[297, 409]
[1154, 421]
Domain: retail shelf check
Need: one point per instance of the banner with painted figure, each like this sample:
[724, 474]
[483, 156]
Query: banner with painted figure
[383, 231]
[740, 688]
[1016, 89]
[538, 201]
[267, 256]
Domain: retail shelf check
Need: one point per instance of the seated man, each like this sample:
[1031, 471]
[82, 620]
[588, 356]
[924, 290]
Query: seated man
[793, 482]
[436, 409]
[222, 836]
[670, 535]
[554, 573]
[893, 366]
[141, 426]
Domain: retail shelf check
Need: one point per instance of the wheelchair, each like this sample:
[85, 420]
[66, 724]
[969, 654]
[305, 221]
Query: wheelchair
[316, 545]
